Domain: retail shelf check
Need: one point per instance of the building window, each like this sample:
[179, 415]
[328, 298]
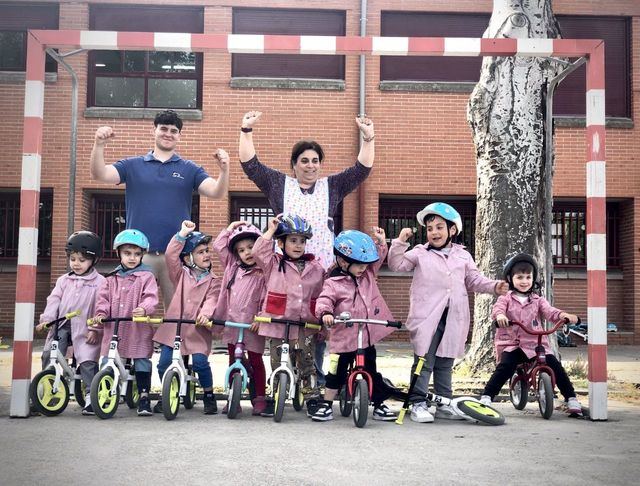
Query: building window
[254, 208]
[288, 22]
[108, 217]
[569, 233]
[15, 20]
[570, 95]
[397, 213]
[10, 224]
[139, 79]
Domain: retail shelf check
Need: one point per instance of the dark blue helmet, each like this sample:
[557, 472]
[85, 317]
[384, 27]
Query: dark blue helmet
[292, 224]
[193, 240]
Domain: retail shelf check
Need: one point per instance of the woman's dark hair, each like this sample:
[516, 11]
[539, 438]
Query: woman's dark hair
[303, 145]
[168, 117]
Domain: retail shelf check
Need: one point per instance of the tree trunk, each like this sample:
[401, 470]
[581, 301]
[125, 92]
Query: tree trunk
[506, 113]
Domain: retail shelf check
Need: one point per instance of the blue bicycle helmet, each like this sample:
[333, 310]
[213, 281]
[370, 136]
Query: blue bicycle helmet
[193, 240]
[131, 237]
[292, 224]
[355, 247]
[445, 211]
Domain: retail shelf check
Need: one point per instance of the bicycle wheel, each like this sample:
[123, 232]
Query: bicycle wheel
[131, 396]
[480, 412]
[44, 399]
[345, 401]
[79, 392]
[189, 400]
[518, 390]
[298, 397]
[280, 395]
[105, 393]
[170, 394]
[545, 395]
[235, 393]
[360, 403]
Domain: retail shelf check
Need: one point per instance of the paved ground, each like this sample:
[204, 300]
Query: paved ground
[200, 449]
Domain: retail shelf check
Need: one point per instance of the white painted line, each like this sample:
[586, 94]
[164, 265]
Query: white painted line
[461, 46]
[31, 168]
[27, 246]
[397, 46]
[99, 39]
[245, 43]
[34, 99]
[19, 398]
[535, 47]
[596, 178]
[595, 107]
[312, 44]
[597, 319]
[598, 401]
[596, 252]
[24, 319]
[166, 41]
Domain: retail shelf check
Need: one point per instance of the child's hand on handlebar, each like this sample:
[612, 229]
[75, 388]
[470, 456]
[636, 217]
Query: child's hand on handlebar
[187, 228]
[92, 337]
[41, 327]
[202, 320]
[96, 320]
[255, 327]
[573, 319]
[502, 320]
[328, 320]
[139, 312]
[406, 234]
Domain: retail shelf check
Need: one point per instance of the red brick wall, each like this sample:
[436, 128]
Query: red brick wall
[417, 135]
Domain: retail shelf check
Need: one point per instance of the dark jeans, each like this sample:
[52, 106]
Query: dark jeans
[200, 365]
[509, 361]
[337, 377]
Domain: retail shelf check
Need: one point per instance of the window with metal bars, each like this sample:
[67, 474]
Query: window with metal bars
[108, 218]
[10, 224]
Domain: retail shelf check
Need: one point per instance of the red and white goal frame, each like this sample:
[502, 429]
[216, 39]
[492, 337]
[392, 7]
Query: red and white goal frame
[39, 40]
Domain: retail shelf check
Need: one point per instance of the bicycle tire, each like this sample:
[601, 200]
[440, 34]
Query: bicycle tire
[189, 400]
[170, 394]
[280, 395]
[298, 397]
[360, 403]
[235, 392]
[131, 396]
[545, 395]
[103, 401]
[79, 392]
[519, 390]
[480, 412]
[346, 404]
[42, 398]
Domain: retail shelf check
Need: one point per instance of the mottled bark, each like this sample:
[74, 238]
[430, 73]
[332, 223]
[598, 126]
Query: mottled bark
[506, 115]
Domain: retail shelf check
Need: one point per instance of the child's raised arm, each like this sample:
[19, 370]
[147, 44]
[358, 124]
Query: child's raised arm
[398, 260]
[221, 243]
[175, 246]
[380, 239]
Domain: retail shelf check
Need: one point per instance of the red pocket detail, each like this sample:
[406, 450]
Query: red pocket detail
[276, 303]
[313, 307]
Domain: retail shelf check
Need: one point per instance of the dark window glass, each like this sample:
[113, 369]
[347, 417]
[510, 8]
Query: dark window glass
[145, 79]
[10, 224]
[15, 20]
[108, 218]
[288, 22]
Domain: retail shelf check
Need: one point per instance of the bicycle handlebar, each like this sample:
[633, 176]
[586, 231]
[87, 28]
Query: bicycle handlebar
[307, 325]
[396, 324]
[540, 332]
[91, 322]
[65, 317]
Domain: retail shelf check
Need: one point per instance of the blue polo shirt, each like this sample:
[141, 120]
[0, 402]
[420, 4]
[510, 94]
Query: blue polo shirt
[158, 195]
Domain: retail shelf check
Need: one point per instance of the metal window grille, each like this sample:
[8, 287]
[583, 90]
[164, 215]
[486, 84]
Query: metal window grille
[10, 224]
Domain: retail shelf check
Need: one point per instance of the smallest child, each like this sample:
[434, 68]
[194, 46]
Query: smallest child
[513, 345]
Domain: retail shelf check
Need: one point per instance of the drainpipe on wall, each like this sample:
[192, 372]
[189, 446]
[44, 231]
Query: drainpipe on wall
[361, 109]
[73, 143]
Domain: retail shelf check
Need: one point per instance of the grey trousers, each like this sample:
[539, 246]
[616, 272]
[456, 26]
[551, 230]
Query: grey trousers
[441, 368]
[87, 370]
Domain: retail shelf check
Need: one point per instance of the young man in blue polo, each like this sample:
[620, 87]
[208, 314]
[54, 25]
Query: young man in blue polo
[159, 187]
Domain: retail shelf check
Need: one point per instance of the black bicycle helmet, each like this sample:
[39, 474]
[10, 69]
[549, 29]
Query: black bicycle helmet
[507, 271]
[85, 242]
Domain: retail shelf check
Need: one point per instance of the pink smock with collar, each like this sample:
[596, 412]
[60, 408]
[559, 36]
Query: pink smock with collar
[243, 300]
[440, 280]
[340, 294]
[533, 312]
[192, 297]
[290, 293]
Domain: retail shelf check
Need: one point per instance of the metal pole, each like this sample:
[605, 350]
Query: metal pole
[362, 108]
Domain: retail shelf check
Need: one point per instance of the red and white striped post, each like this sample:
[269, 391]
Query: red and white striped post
[596, 235]
[324, 45]
[28, 233]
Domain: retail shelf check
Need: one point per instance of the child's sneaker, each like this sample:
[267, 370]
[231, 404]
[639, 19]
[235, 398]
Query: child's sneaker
[259, 405]
[485, 400]
[323, 412]
[88, 409]
[447, 412]
[420, 413]
[210, 405]
[382, 412]
[573, 406]
[144, 407]
[157, 408]
[312, 406]
[269, 408]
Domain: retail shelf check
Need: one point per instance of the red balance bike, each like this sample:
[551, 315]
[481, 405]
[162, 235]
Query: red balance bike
[356, 394]
[535, 375]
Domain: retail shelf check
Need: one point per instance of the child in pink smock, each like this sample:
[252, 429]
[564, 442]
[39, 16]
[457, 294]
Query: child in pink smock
[351, 287]
[514, 345]
[294, 281]
[130, 290]
[188, 260]
[439, 316]
[76, 290]
[243, 290]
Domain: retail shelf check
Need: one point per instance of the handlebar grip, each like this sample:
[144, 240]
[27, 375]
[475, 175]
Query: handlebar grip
[310, 325]
[217, 322]
[71, 314]
[91, 322]
[396, 324]
[262, 319]
[148, 319]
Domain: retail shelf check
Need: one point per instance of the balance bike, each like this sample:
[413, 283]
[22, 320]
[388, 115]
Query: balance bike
[49, 389]
[115, 378]
[286, 378]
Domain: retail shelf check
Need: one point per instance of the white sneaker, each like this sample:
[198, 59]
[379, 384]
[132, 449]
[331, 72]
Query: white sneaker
[446, 412]
[485, 400]
[573, 406]
[420, 413]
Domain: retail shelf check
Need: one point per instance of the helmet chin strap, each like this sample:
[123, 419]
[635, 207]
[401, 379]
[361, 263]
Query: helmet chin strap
[192, 264]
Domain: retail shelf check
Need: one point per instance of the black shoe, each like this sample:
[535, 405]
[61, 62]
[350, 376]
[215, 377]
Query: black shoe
[269, 409]
[210, 405]
[324, 412]
[312, 406]
[157, 408]
[144, 407]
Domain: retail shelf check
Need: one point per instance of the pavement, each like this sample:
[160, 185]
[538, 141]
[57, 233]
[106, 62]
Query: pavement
[198, 449]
